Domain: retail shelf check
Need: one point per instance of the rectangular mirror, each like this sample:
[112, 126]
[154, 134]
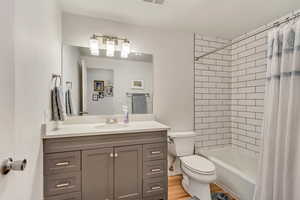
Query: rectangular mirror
[102, 85]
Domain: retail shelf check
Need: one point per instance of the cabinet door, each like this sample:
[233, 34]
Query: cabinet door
[128, 173]
[97, 174]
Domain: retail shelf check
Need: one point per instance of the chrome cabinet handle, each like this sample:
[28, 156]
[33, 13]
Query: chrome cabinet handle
[155, 188]
[62, 185]
[62, 163]
[155, 152]
[128, 195]
[156, 170]
[113, 155]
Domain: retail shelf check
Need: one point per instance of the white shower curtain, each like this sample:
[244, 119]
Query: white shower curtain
[279, 173]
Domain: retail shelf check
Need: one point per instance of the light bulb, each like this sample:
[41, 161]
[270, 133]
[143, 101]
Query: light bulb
[125, 49]
[94, 47]
[110, 48]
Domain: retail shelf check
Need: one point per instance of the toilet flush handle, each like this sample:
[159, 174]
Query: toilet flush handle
[170, 140]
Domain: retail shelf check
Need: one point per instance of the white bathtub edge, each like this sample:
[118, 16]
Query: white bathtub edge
[234, 170]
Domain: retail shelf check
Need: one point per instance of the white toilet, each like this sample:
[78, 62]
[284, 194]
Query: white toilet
[198, 172]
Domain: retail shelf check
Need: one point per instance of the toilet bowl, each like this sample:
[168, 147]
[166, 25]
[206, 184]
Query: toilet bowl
[198, 172]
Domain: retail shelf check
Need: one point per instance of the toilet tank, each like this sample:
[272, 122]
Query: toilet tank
[181, 143]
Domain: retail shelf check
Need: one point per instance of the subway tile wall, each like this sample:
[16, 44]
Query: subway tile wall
[231, 112]
[249, 63]
[229, 92]
[212, 94]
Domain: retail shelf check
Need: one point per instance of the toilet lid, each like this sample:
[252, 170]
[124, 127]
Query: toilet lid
[198, 164]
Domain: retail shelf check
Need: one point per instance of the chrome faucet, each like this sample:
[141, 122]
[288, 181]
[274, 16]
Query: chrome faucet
[111, 120]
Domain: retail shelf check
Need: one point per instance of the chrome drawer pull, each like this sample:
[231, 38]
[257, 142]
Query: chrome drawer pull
[62, 163]
[62, 185]
[155, 152]
[128, 195]
[111, 155]
[156, 188]
[155, 170]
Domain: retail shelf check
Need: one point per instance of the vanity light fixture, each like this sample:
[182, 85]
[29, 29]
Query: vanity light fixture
[111, 44]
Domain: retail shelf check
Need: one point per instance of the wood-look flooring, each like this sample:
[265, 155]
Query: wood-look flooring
[176, 191]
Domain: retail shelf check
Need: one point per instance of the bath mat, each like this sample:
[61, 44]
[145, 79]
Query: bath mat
[219, 196]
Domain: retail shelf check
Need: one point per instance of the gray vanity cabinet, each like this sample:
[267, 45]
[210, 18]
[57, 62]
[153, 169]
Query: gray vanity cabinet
[97, 174]
[128, 166]
[128, 173]
[109, 173]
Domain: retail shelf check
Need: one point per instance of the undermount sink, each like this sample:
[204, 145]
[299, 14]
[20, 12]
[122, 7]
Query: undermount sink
[111, 126]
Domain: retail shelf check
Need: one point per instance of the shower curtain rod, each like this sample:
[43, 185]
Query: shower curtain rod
[277, 23]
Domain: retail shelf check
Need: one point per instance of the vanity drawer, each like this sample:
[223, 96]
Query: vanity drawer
[154, 151]
[70, 196]
[154, 186]
[62, 162]
[62, 183]
[154, 169]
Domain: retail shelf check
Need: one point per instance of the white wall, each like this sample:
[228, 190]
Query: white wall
[36, 56]
[71, 72]
[124, 71]
[7, 94]
[173, 62]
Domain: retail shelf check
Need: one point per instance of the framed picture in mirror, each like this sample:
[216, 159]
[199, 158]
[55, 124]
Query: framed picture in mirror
[98, 86]
[137, 84]
[95, 97]
[108, 91]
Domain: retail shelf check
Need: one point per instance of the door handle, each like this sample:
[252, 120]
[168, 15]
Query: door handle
[9, 164]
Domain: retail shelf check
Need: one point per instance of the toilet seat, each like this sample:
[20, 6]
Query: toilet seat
[198, 164]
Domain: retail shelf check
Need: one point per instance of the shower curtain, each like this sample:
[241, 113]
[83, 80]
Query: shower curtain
[279, 174]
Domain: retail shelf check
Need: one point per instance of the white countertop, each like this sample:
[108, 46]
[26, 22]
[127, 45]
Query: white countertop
[77, 130]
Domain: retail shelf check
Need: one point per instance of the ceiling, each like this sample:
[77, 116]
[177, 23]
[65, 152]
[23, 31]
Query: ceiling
[223, 18]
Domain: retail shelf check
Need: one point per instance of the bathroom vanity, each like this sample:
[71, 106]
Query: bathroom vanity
[102, 162]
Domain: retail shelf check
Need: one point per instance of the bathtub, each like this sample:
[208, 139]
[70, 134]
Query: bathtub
[236, 171]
